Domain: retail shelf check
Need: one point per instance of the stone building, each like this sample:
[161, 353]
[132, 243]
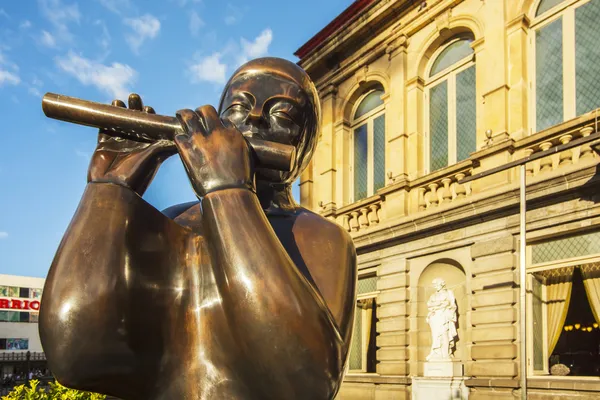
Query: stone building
[418, 95]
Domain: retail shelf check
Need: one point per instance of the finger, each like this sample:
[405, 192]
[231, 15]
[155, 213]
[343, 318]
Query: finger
[209, 117]
[190, 122]
[118, 103]
[135, 102]
[149, 110]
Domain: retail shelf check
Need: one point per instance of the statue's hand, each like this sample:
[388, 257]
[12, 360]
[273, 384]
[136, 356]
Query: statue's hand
[215, 154]
[128, 162]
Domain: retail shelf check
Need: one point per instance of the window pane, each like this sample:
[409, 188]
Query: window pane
[438, 125]
[366, 285]
[24, 317]
[36, 293]
[370, 102]
[451, 55]
[24, 293]
[569, 247]
[465, 114]
[538, 325]
[13, 291]
[587, 56]
[4, 316]
[545, 5]
[17, 344]
[379, 152]
[360, 162]
[548, 72]
[12, 316]
[356, 347]
[4, 291]
[2, 344]
[34, 317]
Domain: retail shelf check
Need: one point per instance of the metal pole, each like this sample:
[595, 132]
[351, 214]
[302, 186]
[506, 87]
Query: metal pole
[523, 283]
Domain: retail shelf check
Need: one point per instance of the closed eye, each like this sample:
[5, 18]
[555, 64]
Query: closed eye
[238, 107]
[282, 114]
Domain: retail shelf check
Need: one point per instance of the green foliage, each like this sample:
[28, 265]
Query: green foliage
[55, 392]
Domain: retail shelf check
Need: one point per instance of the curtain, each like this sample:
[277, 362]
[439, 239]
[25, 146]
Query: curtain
[559, 283]
[591, 281]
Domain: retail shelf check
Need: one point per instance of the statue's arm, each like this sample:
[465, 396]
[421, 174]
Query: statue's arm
[279, 317]
[114, 242]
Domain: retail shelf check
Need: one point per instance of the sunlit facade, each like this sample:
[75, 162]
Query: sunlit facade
[417, 96]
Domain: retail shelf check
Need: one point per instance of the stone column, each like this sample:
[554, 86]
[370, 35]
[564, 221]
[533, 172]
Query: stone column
[324, 160]
[306, 188]
[396, 136]
[517, 77]
[494, 330]
[393, 318]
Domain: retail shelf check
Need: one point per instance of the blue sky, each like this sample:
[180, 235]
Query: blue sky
[174, 53]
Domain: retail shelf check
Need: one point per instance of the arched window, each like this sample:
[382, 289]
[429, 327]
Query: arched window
[368, 127]
[451, 116]
[567, 60]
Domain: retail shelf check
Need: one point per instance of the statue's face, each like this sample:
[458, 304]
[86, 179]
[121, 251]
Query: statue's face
[267, 107]
[438, 285]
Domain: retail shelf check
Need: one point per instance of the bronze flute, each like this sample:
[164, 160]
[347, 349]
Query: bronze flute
[139, 125]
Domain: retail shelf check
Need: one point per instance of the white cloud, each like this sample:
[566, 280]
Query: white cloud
[112, 79]
[8, 70]
[257, 48]
[104, 39]
[209, 69]
[195, 23]
[116, 6]
[4, 13]
[9, 78]
[3, 235]
[60, 15]
[214, 69]
[34, 92]
[144, 27]
[234, 15]
[47, 39]
[25, 24]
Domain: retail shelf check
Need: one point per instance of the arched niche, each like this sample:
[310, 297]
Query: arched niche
[454, 276]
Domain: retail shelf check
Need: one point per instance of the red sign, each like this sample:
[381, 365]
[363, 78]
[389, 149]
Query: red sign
[15, 304]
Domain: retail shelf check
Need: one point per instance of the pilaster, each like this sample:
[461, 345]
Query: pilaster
[494, 333]
[392, 313]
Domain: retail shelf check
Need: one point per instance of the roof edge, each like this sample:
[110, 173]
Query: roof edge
[338, 22]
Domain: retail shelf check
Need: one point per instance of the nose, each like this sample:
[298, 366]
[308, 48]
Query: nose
[255, 117]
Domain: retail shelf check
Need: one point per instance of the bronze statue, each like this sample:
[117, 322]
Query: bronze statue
[243, 295]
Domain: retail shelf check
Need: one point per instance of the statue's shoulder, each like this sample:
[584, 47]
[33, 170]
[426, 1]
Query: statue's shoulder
[186, 214]
[322, 229]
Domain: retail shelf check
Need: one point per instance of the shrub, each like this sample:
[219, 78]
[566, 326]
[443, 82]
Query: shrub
[55, 392]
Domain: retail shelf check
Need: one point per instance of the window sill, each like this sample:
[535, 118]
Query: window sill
[584, 383]
[373, 378]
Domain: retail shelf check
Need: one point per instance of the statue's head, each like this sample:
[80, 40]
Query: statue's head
[274, 99]
[438, 284]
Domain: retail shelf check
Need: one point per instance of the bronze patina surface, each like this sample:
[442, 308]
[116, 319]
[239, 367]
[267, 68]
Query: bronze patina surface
[242, 295]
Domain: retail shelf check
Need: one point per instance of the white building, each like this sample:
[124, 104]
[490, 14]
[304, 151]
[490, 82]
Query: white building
[20, 298]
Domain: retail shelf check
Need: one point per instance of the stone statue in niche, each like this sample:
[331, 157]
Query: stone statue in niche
[442, 319]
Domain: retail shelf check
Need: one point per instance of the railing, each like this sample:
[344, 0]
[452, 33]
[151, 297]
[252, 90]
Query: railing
[357, 216]
[444, 188]
[550, 138]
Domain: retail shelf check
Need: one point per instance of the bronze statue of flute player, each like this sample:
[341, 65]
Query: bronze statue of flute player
[242, 295]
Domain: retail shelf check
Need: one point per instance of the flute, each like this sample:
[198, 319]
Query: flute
[138, 125]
